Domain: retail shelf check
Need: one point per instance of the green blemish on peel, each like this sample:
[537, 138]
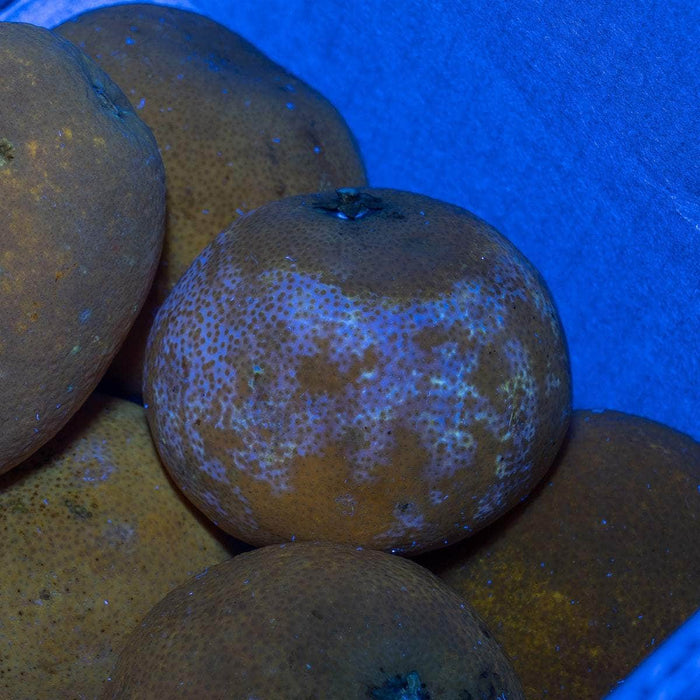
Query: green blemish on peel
[257, 370]
[17, 506]
[7, 152]
[79, 511]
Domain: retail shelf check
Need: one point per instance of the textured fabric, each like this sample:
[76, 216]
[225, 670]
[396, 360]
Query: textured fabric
[572, 127]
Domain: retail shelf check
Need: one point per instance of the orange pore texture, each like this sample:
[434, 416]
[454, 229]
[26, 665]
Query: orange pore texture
[395, 380]
[308, 620]
[93, 535]
[586, 577]
[234, 128]
[81, 220]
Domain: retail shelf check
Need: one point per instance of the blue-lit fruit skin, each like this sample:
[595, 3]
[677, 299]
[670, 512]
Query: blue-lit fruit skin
[313, 620]
[235, 130]
[395, 380]
[82, 211]
[583, 581]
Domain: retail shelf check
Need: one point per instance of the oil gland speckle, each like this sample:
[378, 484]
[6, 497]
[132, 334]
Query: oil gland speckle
[331, 356]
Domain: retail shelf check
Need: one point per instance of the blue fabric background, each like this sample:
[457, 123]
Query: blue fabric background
[572, 127]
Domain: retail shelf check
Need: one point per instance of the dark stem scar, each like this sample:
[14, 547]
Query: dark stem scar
[350, 203]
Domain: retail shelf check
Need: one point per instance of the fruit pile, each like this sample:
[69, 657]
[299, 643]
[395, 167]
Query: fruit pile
[303, 381]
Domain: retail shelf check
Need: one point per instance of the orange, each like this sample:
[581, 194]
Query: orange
[234, 128]
[590, 574]
[366, 366]
[83, 205]
[309, 620]
[93, 535]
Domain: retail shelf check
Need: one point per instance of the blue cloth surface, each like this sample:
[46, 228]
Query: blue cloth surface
[572, 127]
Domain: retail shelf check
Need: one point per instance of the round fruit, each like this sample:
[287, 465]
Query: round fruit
[235, 130]
[589, 575]
[87, 529]
[309, 620]
[364, 366]
[83, 202]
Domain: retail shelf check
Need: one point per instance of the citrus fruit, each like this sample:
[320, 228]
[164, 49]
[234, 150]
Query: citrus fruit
[83, 203]
[94, 534]
[306, 620]
[366, 366]
[235, 130]
[589, 575]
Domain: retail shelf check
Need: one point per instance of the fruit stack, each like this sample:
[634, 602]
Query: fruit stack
[271, 432]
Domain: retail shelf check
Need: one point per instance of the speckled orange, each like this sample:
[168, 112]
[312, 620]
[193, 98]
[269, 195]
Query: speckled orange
[370, 366]
[235, 130]
[82, 216]
[93, 534]
[308, 620]
[588, 576]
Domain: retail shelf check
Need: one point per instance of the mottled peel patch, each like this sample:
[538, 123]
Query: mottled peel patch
[342, 366]
[491, 502]
[215, 469]
[213, 501]
[337, 409]
[248, 515]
